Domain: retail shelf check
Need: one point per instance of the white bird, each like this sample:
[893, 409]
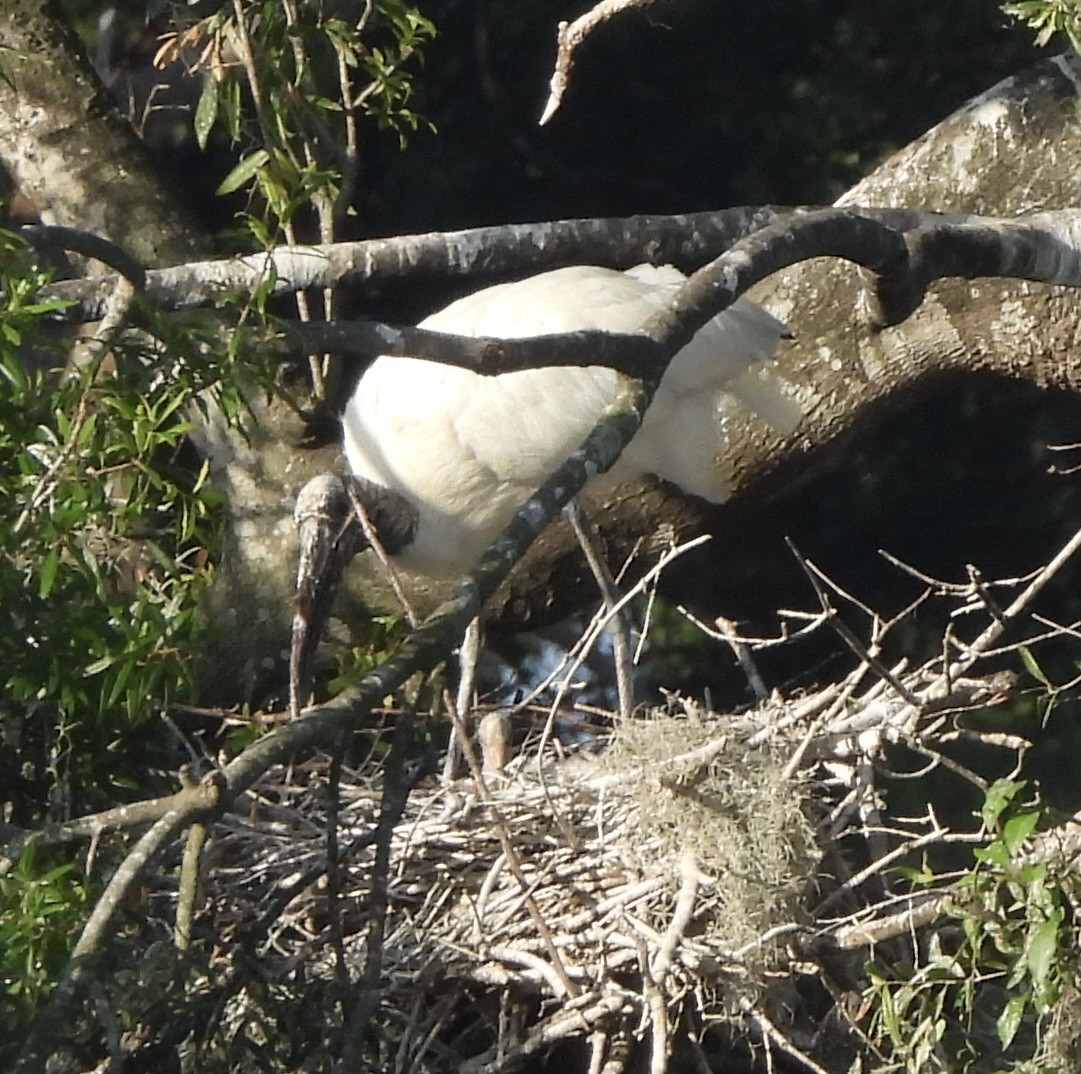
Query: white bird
[443, 456]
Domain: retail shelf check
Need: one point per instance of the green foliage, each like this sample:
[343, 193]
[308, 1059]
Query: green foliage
[289, 82]
[41, 910]
[992, 983]
[1049, 17]
[105, 531]
[103, 538]
[381, 632]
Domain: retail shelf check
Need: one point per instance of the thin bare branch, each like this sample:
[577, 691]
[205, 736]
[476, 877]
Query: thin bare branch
[571, 37]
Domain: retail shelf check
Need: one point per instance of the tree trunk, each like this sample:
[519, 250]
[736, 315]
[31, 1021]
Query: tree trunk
[70, 152]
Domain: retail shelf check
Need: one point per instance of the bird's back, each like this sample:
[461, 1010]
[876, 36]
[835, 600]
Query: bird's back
[468, 450]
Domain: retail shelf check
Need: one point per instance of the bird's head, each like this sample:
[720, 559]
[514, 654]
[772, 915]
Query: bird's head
[328, 514]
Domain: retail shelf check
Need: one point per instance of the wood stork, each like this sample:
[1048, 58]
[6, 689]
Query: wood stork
[442, 457]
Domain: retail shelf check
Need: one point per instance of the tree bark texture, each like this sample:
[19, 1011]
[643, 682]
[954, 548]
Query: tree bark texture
[1015, 148]
[69, 151]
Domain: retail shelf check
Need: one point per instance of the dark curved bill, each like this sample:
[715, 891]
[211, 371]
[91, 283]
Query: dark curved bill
[328, 536]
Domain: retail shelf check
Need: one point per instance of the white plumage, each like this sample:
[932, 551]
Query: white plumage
[468, 450]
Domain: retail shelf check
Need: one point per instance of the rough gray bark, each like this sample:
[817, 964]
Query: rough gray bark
[1015, 148]
[70, 152]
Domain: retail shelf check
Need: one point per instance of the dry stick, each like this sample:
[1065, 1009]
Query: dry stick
[617, 623]
[514, 862]
[727, 629]
[815, 577]
[772, 1033]
[571, 36]
[681, 917]
[468, 655]
[942, 686]
[995, 631]
[189, 885]
[904, 923]
[333, 862]
[928, 912]
[568, 669]
[1063, 839]
[876, 866]
[653, 974]
[573, 1017]
[376, 545]
[598, 1046]
[396, 788]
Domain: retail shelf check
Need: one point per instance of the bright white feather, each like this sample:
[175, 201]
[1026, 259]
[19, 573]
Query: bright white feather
[468, 450]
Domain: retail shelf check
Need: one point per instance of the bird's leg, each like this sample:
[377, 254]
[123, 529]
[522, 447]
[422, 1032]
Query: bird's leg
[618, 628]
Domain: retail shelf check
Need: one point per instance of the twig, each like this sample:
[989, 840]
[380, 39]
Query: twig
[372, 537]
[468, 655]
[681, 918]
[396, 788]
[727, 629]
[571, 37]
[845, 632]
[568, 667]
[333, 860]
[617, 625]
[920, 913]
[514, 862]
[189, 885]
[938, 835]
[772, 1033]
[87, 244]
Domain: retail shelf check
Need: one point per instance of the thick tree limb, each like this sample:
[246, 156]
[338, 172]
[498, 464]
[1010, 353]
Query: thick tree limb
[69, 150]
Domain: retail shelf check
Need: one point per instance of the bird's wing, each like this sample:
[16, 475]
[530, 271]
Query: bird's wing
[469, 449]
[521, 425]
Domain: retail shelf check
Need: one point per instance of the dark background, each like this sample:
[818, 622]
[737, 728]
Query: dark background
[698, 104]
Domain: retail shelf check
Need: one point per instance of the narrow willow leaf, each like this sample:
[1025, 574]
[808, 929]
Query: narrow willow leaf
[1009, 1021]
[243, 172]
[206, 112]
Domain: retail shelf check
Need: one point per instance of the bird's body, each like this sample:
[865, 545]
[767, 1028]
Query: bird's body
[467, 450]
[442, 457]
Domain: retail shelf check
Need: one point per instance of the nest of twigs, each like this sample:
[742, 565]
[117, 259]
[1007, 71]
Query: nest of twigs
[702, 892]
[597, 898]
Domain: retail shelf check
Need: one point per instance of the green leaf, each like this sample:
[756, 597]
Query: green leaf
[1043, 946]
[999, 795]
[1009, 1021]
[1033, 668]
[993, 854]
[98, 666]
[206, 111]
[47, 575]
[243, 172]
[1017, 829]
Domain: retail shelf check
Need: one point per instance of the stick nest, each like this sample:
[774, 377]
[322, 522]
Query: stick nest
[581, 899]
